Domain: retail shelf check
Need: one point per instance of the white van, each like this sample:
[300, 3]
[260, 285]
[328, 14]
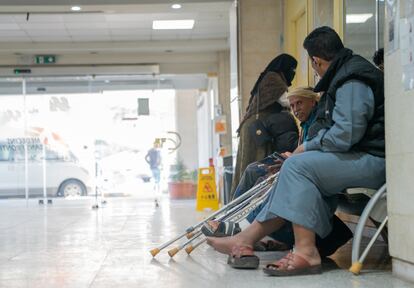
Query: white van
[64, 176]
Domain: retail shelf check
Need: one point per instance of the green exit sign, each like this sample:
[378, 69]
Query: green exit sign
[19, 71]
[45, 59]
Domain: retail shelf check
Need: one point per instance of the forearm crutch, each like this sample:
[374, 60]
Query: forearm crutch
[189, 231]
[232, 214]
[357, 260]
[239, 216]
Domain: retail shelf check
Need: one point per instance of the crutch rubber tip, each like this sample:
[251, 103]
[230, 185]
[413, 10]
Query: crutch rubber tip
[173, 251]
[356, 268]
[190, 235]
[154, 252]
[189, 249]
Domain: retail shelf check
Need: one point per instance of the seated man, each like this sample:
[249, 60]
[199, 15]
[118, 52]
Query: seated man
[345, 148]
[302, 100]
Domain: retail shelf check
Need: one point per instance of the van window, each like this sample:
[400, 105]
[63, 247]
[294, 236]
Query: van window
[5, 154]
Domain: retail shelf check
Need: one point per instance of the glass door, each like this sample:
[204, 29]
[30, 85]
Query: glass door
[73, 137]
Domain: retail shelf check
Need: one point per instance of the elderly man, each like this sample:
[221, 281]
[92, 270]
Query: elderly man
[302, 102]
[345, 147]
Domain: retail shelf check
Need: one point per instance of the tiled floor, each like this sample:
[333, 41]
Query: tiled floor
[68, 244]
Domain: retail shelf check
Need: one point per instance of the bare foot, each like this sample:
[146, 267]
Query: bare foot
[225, 244]
[310, 254]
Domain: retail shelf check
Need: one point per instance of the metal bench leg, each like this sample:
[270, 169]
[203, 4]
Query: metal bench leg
[356, 243]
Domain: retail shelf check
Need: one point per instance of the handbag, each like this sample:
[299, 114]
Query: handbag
[257, 128]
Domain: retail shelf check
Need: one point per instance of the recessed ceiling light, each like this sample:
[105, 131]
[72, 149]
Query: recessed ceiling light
[172, 24]
[75, 8]
[358, 18]
[176, 6]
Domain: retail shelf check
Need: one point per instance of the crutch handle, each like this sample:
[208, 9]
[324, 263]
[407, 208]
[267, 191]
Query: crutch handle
[189, 249]
[154, 252]
[173, 251]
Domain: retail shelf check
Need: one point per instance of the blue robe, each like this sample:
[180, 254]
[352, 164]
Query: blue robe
[308, 184]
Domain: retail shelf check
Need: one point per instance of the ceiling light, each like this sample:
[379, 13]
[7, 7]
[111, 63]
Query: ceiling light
[176, 6]
[172, 24]
[358, 18]
[75, 8]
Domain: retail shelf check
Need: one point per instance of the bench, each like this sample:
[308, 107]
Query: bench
[368, 204]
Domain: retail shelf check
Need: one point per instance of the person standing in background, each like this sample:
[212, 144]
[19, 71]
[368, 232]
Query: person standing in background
[267, 125]
[153, 158]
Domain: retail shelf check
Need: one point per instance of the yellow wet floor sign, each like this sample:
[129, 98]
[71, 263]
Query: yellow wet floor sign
[206, 190]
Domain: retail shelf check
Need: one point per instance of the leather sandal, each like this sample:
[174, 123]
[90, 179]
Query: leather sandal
[292, 265]
[242, 257]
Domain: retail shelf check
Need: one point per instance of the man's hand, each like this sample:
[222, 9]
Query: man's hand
[286, 154]
[300, 149]
[272, 169]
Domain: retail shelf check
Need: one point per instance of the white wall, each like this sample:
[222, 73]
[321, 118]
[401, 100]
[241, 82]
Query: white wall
[224, 98]
[235, 97]
[204, 127]
[186, 123]
[260, 30]
[400, 165]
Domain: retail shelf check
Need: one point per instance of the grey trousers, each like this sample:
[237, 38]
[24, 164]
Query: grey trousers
[308, 185]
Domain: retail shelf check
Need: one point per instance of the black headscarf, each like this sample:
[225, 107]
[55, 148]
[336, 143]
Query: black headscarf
[285, 64]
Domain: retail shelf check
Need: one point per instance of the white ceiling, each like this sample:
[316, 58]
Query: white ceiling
[104, 34]
[98, 2]
[114, 24]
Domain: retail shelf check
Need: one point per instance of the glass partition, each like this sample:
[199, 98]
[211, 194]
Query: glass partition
[77, 137]
[381, 23]
[323, 14]
[13, 146]
[364, 26]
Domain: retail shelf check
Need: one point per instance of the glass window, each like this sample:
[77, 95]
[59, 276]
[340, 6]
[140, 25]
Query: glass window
[363, 29]
[80, 132]
[381, 23]
[5, 153]
[323, 13]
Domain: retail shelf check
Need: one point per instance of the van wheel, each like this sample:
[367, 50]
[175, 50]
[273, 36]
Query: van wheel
[72, 187]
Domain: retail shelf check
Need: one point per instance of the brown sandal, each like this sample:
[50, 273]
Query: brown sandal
[242, 257]
[291, 265]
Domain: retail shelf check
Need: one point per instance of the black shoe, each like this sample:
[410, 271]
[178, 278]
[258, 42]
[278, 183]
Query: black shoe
[339, 235]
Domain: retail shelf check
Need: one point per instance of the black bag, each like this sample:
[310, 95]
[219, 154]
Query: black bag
[259, 132]
[257, 128]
